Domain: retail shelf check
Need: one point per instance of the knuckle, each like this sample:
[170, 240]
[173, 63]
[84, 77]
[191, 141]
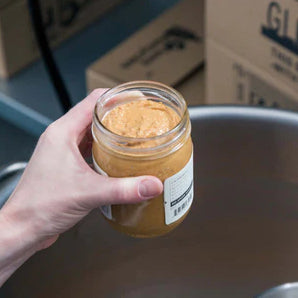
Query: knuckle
[97, 92]
[117, 190]
[50, 133]
[125, 191]
[51, 128]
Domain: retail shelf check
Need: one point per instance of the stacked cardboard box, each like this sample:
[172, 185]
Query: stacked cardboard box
[170, 49]
[252, 52]
[62, 19]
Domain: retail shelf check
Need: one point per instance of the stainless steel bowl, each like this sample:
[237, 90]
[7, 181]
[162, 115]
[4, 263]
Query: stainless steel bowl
[9, 177]
[240, 238]
[289, 290]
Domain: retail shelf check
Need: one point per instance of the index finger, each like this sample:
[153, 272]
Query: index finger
[77, 120]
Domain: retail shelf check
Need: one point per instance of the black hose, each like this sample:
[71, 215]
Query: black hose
[47, 56]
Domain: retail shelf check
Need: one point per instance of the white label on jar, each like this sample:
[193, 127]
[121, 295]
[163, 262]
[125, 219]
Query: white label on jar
[178, 193]
[106, 210]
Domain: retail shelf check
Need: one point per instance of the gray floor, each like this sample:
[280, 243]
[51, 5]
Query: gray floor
[31, 87]
[15, 144]
[28, 99]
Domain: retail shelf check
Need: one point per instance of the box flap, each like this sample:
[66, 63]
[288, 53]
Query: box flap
[165, 50]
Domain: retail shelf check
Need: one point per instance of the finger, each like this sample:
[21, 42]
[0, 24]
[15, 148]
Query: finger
[103, 190]
[79, 117]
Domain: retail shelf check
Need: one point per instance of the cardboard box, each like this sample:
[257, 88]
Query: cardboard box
[62, 19]
[235, 80]
[263, 35]
[170, 49]
[5, 2]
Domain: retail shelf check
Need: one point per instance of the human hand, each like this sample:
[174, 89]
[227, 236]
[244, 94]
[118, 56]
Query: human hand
[58, 187]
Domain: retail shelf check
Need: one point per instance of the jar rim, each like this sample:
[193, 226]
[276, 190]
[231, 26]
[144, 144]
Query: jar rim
[131, 86]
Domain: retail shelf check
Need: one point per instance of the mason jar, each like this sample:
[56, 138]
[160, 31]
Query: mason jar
[168, 156]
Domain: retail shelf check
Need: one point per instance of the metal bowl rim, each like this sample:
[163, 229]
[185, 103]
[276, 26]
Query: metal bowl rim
[243, 112]
[278, 288]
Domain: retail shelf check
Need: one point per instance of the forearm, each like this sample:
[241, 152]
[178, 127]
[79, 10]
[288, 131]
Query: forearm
[17, 241]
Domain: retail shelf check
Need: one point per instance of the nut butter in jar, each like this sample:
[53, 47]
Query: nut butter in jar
[143, 128]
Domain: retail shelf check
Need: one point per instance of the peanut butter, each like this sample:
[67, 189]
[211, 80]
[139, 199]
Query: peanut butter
[143, 120]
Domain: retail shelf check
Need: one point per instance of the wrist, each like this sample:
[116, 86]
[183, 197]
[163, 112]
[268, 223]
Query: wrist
[18, 222]
[17, 242]
[22, 224]
[20, 236]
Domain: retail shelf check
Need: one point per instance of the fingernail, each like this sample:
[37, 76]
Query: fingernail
[148, 189]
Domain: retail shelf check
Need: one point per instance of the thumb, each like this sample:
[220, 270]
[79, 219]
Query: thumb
[107, 190]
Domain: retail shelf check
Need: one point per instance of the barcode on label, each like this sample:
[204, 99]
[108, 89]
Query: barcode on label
[178, 193]
[182, 207]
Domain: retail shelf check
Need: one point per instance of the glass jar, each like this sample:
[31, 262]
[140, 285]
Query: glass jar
[167, 156]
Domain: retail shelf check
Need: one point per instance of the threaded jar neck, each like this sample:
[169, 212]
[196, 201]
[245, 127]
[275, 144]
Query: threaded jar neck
[164, 144]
